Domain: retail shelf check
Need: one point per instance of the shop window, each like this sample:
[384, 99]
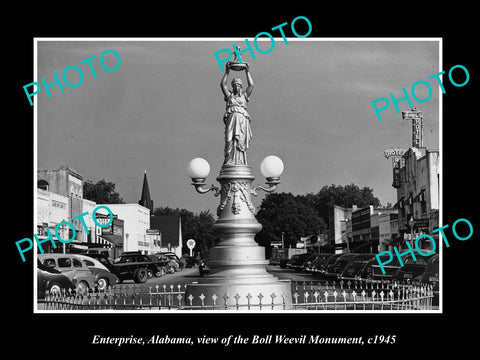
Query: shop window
[423, 207]
[42, 184]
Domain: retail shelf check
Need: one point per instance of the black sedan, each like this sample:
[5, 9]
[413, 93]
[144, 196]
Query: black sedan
[352, 271]
[319, 268]
[296, 261]
[431, 276]
[316, 264]
[333, 270]
[412, 270]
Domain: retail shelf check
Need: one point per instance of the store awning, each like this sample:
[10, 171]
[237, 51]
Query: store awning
[420, 196]
[116, 240]
[399, 203]
[79, 246]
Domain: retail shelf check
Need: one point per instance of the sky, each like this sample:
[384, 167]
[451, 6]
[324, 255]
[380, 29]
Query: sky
[311, 106]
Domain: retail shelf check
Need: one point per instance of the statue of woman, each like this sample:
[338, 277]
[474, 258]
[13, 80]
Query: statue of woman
[236, 119]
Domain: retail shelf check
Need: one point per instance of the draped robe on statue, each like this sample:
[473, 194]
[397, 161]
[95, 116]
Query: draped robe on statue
[237, 129]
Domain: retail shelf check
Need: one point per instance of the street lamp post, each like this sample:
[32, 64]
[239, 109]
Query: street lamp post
[238, 275]
[411, 222]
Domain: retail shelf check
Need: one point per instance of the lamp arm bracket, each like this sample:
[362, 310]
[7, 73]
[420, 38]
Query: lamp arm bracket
[203, 190]
[270, 189]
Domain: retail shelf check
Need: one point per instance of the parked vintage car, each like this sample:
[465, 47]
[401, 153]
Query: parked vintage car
[351, 271]
[51, 280]
[373, 273]
[315, 264]
[134, 265]
[100, 250]
[365, 274]
[332, 270]
[308, 262]
[103, 277]
[169, 264]
[296, 261]
[283, 263]
[164, 264]
[172, 256]
[72, 267]
[105, 262]
[190, 261]
[431, 276]
[412, 270]
[321, 268]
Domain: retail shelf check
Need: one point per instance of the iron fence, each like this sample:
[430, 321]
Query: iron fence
[305, 296]
[116, 298]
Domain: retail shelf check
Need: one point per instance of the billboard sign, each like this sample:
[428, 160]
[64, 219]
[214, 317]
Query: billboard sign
[417, 126]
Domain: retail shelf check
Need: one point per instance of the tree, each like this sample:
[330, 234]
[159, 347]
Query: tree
[388, 205]
[288, 214]
[194, 226]
[102, 192]
[344, 196]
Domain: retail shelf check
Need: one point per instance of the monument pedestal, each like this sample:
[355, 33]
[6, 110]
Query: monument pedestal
[238, 277]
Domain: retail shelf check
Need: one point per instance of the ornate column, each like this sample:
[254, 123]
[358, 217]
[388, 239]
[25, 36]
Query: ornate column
[237, 264]
[238, 275]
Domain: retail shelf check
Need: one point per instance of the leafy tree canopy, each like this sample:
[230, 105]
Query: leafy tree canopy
[305, 215]
[288, 214]
[345, 196]
[102, 192]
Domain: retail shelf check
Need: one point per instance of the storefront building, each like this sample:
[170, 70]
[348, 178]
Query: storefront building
[136, 222]
[67, 183]
[369, 229]
[387, 230]
[418, 195]
[338, 236]
[52, 209]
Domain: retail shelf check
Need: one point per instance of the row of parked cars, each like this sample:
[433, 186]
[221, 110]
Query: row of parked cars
[365, 268]
[82, 272]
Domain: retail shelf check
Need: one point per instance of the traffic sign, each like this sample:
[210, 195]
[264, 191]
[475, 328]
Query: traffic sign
[191, 244]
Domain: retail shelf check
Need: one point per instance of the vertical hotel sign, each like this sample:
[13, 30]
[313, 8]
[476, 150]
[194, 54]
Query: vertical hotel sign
[397, 163]
[417, 126]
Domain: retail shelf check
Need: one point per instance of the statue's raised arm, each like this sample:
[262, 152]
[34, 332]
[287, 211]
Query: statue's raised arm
[249, 89]
[223, 82]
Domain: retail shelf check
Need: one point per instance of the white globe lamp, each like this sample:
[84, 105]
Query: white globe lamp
[198, 168]
[272, 167]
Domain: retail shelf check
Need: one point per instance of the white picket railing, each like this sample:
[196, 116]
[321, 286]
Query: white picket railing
[305, 296]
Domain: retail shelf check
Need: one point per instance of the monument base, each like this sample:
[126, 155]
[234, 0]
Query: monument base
[273, 295]
[238, 277]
